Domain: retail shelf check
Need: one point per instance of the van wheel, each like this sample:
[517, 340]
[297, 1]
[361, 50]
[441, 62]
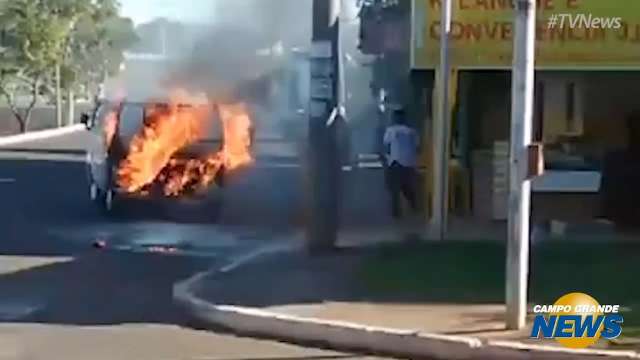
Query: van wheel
[108, 201]
[110, 204]
[94, 192]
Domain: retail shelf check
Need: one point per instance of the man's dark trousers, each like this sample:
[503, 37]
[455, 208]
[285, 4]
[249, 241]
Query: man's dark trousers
[401, 180]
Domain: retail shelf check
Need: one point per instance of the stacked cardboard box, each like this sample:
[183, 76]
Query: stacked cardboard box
[491, 182]
[500, 189]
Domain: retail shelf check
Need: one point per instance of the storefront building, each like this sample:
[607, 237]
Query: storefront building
[587, 82]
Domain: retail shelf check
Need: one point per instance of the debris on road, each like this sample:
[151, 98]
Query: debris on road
[100, 244]
[162, 249]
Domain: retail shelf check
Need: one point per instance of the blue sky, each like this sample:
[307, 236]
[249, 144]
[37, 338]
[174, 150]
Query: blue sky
[187, 10]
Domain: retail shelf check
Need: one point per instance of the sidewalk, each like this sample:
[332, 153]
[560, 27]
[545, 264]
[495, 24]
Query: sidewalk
[69, 139]
[334, 289]
[329, 288]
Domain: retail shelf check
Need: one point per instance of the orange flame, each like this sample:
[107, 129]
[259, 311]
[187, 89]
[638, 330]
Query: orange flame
[237, 134]
[152, 153]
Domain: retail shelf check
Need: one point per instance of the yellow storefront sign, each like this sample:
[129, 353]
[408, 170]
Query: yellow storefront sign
[483, 31]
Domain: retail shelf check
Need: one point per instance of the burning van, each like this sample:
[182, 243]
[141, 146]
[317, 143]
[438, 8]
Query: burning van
[175, 147]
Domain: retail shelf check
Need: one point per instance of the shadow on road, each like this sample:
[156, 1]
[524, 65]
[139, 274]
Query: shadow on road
[38, 195]
[101, 288]
[41, 197]
[45, 211]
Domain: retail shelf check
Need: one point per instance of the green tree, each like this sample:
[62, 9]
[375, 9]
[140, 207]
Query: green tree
[96, 44]
[32, 42]
[95, 48]
[86, 38]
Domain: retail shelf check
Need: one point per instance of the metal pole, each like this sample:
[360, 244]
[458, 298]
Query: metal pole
[520, 187]
[441, 128]
[325, 170]
[71, 102]
[58, 97]
[163, 35]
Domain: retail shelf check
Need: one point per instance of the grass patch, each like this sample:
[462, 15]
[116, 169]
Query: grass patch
[474, 272]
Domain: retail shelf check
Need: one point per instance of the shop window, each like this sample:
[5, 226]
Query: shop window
[560, 106]
[559, 117]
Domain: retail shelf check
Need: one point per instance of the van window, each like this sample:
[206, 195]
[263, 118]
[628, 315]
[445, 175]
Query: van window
[98, 117]
[131, 121]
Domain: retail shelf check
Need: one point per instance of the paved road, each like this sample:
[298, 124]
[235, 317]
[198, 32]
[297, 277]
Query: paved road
[63, 299]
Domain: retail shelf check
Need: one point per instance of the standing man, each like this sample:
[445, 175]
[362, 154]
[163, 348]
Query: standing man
[401, 149]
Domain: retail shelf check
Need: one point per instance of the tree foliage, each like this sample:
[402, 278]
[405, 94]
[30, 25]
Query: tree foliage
[33, 38]
[97, 42]
[86, 38]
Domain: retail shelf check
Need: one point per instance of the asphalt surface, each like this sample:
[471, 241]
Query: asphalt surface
[62, 298]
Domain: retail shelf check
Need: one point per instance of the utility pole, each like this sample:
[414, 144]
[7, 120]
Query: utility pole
[520, 186]
[441, 126]
[324, 161]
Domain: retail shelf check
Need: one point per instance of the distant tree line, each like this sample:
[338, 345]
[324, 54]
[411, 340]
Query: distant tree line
[48, 45]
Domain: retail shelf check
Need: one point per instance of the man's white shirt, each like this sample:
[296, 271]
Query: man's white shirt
[403, 143]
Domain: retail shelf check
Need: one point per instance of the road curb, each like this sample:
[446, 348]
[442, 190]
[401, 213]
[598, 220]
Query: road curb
[38, 135]
[345, 336]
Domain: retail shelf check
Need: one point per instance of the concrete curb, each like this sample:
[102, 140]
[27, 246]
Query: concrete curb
[344, 336]
[38, 135]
